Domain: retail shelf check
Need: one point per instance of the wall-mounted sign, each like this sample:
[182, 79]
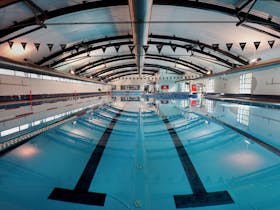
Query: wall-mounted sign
[194, 89]
[164, 87]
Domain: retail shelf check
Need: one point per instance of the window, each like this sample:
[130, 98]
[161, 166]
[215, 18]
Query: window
[23, 127]
[183, 87]
[7, 72]
[245, 83]
[172, 88]
[38, 76]
[20, 74]
[243, 113]
[36, 123]
[48, 119]
[210, 86]
[187, 87]
[10, 131]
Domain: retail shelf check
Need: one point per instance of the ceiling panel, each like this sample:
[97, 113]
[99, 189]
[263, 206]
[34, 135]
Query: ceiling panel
[187, 21]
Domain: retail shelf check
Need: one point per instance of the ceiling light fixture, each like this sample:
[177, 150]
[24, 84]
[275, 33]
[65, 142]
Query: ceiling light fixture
[209, 72]
[255, 60]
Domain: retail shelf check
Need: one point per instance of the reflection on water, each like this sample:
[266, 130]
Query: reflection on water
[140, 166]
[244, 160]
[260, 122]
[243, 114]
[26, 151]
[130, 98]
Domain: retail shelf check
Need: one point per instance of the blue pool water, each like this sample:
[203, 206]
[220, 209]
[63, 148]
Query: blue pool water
[152, 155]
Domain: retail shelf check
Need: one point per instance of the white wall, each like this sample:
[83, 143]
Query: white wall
[172, 85]
[142, 83]
[12, 85]
[265, 82]
[135, 81]
[227, 84]
[164, 77]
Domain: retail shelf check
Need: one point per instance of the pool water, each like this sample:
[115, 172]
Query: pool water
[152, 155]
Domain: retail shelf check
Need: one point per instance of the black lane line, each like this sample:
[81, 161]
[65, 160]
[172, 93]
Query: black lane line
[80, 194]
[200, 196]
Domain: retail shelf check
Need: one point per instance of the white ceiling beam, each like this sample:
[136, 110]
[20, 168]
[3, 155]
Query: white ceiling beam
[140, 15]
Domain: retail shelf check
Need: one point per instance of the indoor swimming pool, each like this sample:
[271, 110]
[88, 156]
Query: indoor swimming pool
[135, 153]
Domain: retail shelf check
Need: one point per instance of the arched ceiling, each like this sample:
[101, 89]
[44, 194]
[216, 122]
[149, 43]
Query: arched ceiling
[96, 39]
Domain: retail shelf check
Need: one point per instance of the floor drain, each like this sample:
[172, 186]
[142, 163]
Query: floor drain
[138, 203]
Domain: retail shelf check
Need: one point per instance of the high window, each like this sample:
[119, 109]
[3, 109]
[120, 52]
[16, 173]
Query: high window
[245, 83]
[38, 76]
[210, 86]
